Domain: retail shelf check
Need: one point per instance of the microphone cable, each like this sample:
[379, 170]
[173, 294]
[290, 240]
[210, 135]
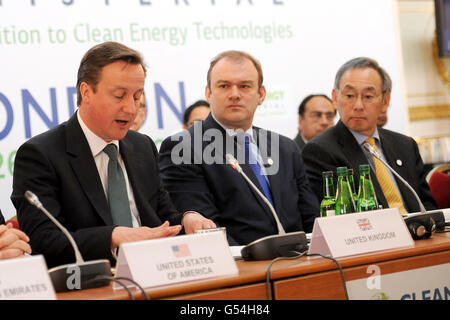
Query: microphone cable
[147, 297]
[270, 266]
[99, 278]
[299, 255]
[119, 281]
[341, 271]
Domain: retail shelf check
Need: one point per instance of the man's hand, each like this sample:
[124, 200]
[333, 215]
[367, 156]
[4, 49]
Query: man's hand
[193, 221]
[13, 242]
[125, 234]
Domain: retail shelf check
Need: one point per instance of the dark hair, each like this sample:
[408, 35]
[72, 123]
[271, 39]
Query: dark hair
[100, 56]
[363, 62]
[302, 107]
[188, 111]
[236, 56]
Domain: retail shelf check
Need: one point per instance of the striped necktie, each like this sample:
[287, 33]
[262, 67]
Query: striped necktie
[390, 191]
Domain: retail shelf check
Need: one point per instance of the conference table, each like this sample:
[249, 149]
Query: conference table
[304, 278]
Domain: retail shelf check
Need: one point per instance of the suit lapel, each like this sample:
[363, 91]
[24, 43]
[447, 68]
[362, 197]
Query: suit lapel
[274, 179]
[356, 157]
[392, 157]
[350, 148]
[210, 123]
[85, 170]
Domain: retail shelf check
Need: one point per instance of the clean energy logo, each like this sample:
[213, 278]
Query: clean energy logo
[274, 104]
[379, 296]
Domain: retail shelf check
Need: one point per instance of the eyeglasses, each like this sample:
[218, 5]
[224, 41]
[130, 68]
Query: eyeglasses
[317, 115]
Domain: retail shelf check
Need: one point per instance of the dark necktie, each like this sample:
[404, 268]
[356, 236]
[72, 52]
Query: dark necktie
[117, 190]
[250, 158]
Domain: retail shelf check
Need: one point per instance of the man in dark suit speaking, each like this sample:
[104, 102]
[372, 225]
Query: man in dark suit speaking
[97, 177]
[195, 172]
[362, 90]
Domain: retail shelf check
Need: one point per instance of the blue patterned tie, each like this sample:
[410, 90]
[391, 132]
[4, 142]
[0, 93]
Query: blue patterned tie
[251, 160]
[117, 190]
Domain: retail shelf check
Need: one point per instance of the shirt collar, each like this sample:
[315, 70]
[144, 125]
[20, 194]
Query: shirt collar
[361, 138]
[303, 137]
[96, 143]
[233, 132]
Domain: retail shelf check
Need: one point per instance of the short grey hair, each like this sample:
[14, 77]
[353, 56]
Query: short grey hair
[363, 62]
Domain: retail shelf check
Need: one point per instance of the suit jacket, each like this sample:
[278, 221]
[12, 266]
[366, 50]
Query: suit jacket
[59, 168]
[220, 193]
[299, 141]
[337, 147]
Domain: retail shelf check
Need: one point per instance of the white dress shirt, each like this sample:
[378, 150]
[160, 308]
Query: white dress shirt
[101, 159]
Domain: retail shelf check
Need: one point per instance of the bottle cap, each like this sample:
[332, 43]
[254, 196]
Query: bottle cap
[341, 170]
[327, 174]
[364, 167]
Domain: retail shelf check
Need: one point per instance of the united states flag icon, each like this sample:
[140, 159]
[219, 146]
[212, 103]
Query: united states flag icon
[181, 250]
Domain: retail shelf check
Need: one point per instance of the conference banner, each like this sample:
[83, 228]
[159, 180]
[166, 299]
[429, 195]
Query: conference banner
[299, 43]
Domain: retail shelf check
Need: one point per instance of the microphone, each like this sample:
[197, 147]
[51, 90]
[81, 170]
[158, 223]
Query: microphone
[235, 164]
[376, 155]
[81, 274]
[421, 224]
[281, 245]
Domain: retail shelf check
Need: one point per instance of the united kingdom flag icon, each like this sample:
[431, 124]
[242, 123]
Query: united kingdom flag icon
[364, 224]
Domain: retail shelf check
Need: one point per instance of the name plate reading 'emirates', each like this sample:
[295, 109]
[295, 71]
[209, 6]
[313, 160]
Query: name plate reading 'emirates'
[359, 233]
[25, 278]
[176, 259]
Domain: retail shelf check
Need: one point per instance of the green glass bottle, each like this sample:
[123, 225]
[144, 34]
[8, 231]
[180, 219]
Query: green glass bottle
[344, 197]
[351, 181]
[328, 202]
[367, 200]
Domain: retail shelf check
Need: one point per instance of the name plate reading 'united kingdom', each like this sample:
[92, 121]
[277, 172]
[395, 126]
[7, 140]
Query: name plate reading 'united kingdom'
[359, 233]
[176, 259]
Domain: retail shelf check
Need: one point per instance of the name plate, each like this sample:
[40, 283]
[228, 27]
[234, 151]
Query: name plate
[359, 233]
[176, 259]
[25, 279]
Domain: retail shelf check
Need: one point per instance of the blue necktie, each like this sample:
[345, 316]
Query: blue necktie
[250, 158]
[117, 190]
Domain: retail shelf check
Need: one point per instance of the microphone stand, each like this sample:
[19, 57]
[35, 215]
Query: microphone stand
[376, 155]
[421, 225]
[81, 274]
[279, 245]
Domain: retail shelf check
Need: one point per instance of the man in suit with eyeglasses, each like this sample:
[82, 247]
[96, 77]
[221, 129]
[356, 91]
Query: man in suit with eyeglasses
[362, 90]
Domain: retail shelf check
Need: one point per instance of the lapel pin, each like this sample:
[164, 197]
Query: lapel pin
[269, 162]
[399, 162]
